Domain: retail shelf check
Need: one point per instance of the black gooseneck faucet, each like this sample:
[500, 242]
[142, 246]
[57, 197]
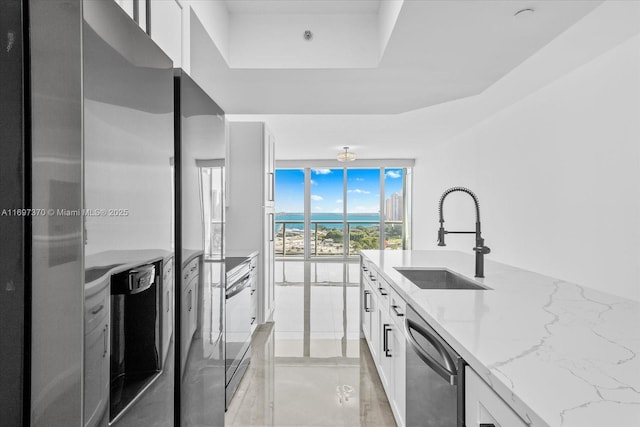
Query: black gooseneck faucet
[480, 249]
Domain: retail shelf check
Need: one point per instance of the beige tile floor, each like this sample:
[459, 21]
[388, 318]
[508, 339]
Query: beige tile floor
[309, 366]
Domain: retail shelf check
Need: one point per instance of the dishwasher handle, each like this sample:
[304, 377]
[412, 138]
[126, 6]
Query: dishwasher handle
[448, 372]
[238, 287]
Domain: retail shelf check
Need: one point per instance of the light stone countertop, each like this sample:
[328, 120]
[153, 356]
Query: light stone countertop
[558, 353]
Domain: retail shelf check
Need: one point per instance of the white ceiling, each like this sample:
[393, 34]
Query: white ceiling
[413, 134]
[303, 6]
[438, 51]
[448, 66]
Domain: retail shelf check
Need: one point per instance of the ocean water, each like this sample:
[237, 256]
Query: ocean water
[334, 220]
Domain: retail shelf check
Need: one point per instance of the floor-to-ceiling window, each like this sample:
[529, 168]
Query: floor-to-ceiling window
[363, 209]
[327, 213]
[335, 212]
[290, 230]
[396, 208]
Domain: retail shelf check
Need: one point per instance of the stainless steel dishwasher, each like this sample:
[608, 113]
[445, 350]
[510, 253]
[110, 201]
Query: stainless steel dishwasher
[435, 377]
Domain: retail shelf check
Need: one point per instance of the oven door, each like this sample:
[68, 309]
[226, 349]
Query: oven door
[237, 323]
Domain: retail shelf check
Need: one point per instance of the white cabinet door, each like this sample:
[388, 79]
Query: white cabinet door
[269, 167]
[484, 406]
[250, 215]
[187, 319]
[398, 349]
[382, 325]
[268, 254]
[167, 307]
[367, 310]
[96, 377]
[376, 336]
[384, 355]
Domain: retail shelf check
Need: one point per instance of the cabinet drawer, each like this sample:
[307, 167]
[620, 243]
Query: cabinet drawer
[484, 406]
[96, 309]
[397, 307]
[381, 287]
[364, 268]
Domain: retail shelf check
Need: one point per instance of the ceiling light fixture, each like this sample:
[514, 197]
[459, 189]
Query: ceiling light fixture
[346, 156]
[308, 35]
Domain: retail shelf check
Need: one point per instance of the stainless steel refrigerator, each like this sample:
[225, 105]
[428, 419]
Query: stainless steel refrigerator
[14, 247]
[128, 148]
[200, 128]
[41, 251]
[87, 120]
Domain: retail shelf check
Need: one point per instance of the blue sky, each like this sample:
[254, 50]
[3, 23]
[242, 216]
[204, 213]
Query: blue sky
[363, 189]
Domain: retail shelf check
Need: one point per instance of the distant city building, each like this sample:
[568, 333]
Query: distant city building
[393, 207]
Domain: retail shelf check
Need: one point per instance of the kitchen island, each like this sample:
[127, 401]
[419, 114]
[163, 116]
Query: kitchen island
[557, 353]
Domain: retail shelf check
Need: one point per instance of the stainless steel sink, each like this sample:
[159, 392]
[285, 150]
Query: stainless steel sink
[93, 273]
[438, 279]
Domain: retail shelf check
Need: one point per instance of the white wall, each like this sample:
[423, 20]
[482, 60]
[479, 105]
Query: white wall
[387, 17]
[215, 19]
[166, 28]
[557, 174]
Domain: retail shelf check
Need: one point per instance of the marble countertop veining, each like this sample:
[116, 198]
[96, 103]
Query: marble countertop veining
[561, 355]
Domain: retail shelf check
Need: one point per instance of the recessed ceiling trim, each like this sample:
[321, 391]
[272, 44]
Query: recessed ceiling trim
[332, 163]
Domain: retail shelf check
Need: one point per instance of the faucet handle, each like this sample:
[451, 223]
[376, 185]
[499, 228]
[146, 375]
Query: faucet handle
[482, 250]
[441, 233]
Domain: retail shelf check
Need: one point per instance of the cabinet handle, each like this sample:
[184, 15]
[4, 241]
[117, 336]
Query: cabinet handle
[253, 291]
[382, 292]
[97, 310]
[271, 186]
[190, 304]
[105, 340]
[487, 425]
[364, 268]
[395, 310]
[271, 227]
[385, 339]
[373, 279]
[253, 319]
[367, 308]
[168, 299]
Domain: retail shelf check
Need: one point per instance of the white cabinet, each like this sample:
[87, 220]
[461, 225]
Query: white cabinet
[96, 356]
[382, 317]
[382, 322]
[250, 217]
[484, 406]
[253, 268]
[167, 306]
[368, 310]
[189, 307]
[266, 298]
[396, 351]
[384, 355]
